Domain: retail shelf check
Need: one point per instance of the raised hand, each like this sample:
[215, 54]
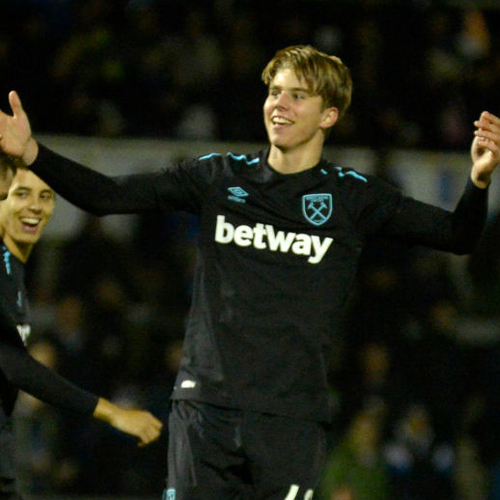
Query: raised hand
[15, 132]
[485, 150]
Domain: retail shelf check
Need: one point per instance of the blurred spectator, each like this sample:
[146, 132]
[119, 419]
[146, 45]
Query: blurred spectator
[420, 465]
[90, 259]
[355, 469]
[371, 381]
[484, 269]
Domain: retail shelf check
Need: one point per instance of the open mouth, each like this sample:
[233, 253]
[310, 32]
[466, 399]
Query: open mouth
[30, 224]
[279, 120]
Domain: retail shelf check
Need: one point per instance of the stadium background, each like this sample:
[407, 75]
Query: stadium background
[126, 86]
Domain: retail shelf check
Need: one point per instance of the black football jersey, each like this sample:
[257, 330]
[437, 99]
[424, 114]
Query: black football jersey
[277, 255]
[15, 326]
[18, 369]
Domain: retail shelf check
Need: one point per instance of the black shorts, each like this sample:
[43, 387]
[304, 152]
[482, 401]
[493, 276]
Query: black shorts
[221, 454]
[7, 473]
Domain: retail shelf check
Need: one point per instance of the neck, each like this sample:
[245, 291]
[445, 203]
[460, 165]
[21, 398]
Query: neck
[21, 251]
[292, 162]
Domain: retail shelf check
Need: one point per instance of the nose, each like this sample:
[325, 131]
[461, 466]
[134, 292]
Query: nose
[283, 100]
[35, 206]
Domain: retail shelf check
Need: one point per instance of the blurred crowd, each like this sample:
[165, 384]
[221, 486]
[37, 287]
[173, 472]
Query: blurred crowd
[415, 370]
[422, 70]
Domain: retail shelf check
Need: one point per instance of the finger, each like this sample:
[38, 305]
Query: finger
[487, 134]
[488, 143]
[147, 438]
[488, 121]
[15, 103]
[156, 423]
[491, 118]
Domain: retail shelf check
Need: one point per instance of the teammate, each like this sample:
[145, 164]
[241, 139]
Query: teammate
[23, 216]
[281, 232]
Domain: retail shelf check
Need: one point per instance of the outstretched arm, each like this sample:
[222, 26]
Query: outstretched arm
[458, 231]
[26, 373]
[15, 133]
[485, 149]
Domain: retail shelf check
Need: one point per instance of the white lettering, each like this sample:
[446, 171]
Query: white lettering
[265, 236]
[224, 231]
[320, 247]
[243, 236]
[302, 245]
[279, 241]
[259, 233]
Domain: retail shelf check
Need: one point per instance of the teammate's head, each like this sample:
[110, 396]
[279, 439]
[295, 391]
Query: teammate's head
[325, 75]
[7, 172]
[25, 213]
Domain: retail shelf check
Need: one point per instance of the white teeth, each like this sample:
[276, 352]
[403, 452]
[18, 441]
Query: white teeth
[30, 221]
[281, 121]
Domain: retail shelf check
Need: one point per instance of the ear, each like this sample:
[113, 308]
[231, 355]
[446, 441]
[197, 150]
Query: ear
[330, 117]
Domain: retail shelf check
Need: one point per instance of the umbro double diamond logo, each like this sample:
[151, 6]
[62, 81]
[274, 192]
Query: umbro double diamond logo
[237, 194]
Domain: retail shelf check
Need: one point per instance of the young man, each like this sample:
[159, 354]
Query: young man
[280, 235]
[23, 216]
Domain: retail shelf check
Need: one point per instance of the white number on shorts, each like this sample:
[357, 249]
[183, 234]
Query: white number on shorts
[294, 489]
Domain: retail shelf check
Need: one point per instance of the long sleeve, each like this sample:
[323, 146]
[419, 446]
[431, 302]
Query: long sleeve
[22, 371]
[92, 191]
[419, 223]
[18, 369]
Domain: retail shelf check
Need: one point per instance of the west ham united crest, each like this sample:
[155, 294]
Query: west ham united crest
[317, 208]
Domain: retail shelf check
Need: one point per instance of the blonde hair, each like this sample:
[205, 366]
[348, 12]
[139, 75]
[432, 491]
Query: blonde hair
[325, 75]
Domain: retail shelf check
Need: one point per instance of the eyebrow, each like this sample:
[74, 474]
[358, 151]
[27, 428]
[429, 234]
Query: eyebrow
[293, 89]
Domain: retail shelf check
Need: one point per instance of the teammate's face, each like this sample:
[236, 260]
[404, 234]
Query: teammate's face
[28, 208]
[294, 117]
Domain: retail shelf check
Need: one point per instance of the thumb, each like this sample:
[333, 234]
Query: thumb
[15, 103]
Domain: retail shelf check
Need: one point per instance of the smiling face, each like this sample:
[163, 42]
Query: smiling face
[25, 213]
[295, 118]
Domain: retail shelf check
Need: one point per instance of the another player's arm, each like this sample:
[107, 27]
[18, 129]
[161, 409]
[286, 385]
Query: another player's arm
[135, 422]
[26, 373]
